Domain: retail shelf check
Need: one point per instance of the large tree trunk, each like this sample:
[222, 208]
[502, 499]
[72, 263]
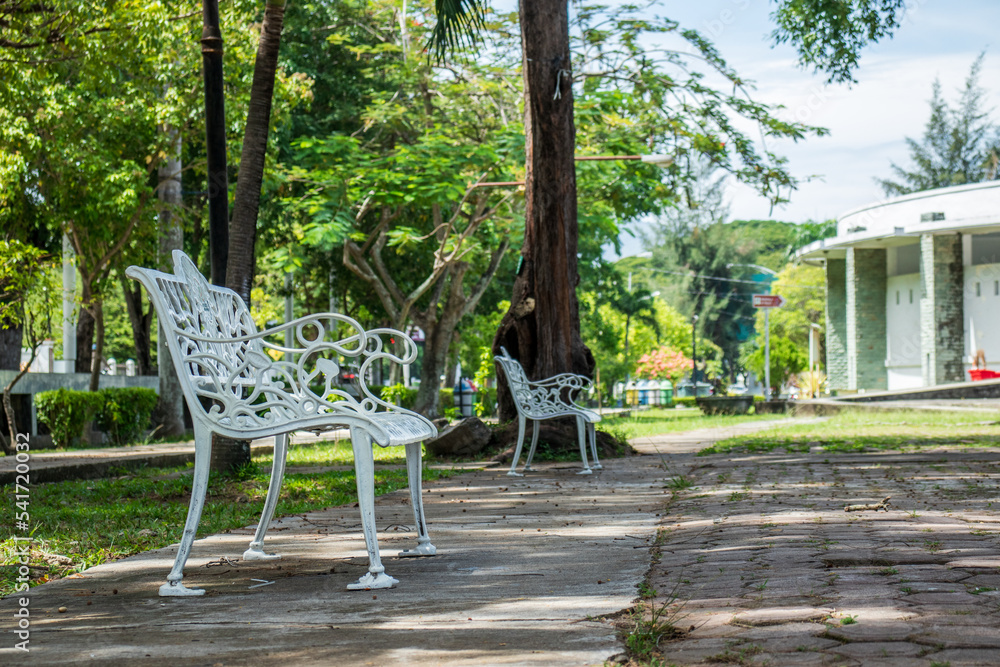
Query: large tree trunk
[170, 409]
[231, 454]
[215, 141]
[141, 321]
[243, 230]
[542, 327]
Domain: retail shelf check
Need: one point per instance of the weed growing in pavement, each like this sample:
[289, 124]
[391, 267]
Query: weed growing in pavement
[849, 620]
[735, 656]
[886, 571]
[646, 634]
[679, 483]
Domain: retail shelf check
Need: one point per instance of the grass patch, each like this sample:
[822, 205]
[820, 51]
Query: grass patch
[854, 431]
[82, 523]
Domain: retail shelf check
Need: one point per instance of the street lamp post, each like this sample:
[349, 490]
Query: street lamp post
[694, 355]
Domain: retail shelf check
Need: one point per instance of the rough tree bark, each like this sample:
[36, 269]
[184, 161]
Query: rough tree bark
[170, 409]
[542, 327]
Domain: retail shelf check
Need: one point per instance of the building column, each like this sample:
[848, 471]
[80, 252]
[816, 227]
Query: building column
[866, 334]
[836, 324]
[942, 309]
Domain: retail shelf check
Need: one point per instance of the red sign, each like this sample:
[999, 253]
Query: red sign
[768, 301]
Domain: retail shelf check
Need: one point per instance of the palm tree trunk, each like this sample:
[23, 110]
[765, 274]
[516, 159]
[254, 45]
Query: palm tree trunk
[243, 229]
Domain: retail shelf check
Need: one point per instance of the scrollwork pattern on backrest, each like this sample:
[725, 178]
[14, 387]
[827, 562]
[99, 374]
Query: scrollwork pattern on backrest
[544, 398]
[243, 379]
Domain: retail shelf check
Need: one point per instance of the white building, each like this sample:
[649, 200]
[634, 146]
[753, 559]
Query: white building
[913, 289]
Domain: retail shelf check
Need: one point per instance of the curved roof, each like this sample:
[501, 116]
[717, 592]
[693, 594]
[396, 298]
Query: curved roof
[972, 208]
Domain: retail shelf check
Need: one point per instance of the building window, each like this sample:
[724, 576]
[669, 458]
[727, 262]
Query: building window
[897, 297]
[911, 296]
[996, 288]
[978, 290]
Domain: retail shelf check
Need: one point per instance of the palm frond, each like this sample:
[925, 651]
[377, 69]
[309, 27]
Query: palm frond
[459, 23]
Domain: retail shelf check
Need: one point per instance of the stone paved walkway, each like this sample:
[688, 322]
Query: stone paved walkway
[760, 564]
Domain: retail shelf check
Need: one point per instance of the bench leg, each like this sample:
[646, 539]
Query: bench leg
[364, 472]
[256, 550]
[581, 429]
[517, 450]
[536, 426]
[414, 471]
[592, 432]
[202, 456]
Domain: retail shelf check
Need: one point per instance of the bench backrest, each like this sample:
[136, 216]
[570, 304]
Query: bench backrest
[191, 310]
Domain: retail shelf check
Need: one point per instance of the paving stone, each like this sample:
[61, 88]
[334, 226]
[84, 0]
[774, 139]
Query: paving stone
[966, 657]
[869, 651]
[941, 598]
[873, 632]
[962, 637]
[779, 616]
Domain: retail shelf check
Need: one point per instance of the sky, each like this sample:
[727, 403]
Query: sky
[868, 120]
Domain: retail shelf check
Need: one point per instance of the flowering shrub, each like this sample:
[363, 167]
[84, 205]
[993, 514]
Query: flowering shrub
[663, 364]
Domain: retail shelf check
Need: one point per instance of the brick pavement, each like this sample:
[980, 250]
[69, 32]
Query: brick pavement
[760, 564]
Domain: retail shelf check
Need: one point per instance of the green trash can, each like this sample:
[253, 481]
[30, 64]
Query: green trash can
[666, 393]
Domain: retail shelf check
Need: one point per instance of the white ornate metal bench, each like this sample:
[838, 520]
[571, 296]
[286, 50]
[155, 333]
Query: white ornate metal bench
[240, 383]
[547, 399]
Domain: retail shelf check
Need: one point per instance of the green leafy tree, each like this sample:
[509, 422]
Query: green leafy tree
[803, 287]
[787, 359]
[959, 144]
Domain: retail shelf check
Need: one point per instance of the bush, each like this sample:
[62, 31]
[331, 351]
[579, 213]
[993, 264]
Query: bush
[125, 412]
[486, 401]
[66, 412]
[399, 394]
[686, 401]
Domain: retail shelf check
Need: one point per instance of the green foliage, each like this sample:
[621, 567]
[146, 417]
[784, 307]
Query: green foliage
[686, 401]
[959, 144]
[124, 413]
[787, 359]
[66, 412]
[829, 34]
[399, 394]
[804, 289]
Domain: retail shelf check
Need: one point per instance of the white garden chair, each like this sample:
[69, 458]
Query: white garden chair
[548, 399]
[240, 383]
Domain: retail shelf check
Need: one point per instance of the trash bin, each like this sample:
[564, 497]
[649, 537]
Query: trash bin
[465, 398]
[666, 392]
[654, 392]
[631, 394]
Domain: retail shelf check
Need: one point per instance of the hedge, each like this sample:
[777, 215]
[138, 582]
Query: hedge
[125, 412]
[66, 412]
[121, 412]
